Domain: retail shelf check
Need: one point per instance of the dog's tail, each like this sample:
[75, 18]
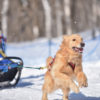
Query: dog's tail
[48, 62]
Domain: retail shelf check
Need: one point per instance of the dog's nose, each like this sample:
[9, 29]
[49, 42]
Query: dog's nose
[82, 44]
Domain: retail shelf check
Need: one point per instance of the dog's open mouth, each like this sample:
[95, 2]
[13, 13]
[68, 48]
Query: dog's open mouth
[76, 49]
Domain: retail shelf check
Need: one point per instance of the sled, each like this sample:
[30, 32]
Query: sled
[10, 70]
[10, 67]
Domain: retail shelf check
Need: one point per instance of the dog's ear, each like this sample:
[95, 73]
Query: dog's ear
[65, 37]
[65, 41]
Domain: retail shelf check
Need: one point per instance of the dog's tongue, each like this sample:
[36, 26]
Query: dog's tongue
[78, 49]
[81, 49]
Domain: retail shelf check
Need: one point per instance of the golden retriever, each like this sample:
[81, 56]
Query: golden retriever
[65, 67]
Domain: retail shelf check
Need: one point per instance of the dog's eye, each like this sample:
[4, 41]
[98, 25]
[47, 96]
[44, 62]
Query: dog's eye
[74, 40]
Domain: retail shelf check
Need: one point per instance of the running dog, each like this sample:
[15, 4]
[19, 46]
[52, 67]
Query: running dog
[65, 68]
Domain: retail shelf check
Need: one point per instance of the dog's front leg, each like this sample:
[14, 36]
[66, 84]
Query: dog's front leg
[82, 80]
[64, 80]
[65, 93]
[44, 96]
[81, 77]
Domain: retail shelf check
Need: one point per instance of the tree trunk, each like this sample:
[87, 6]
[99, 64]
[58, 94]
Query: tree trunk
[94, 17]
[67, 12]
[4, 17]
[58, 18]
[47, 11]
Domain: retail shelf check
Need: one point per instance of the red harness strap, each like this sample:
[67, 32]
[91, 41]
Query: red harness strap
[72, 65]
[52, 62]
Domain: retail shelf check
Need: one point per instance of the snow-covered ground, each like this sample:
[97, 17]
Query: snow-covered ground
[35, 53]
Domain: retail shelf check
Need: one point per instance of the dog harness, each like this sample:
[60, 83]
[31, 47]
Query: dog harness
[50, 64]
[52, 61]
[70, 64]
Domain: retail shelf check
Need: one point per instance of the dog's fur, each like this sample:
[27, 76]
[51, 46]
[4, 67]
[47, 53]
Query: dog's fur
[60, 75]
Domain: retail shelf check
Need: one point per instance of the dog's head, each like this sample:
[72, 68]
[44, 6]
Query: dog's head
[73, 43]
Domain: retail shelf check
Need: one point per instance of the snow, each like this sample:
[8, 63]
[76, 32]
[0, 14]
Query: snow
[34, 54]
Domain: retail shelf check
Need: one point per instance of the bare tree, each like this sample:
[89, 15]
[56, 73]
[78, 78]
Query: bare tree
[47, 11]
[4, 17]
[94, 17]
[67, 12]
[58, 18]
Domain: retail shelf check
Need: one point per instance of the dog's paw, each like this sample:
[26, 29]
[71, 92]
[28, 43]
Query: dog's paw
[75, 88]
[83, 84]
[82, 80]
